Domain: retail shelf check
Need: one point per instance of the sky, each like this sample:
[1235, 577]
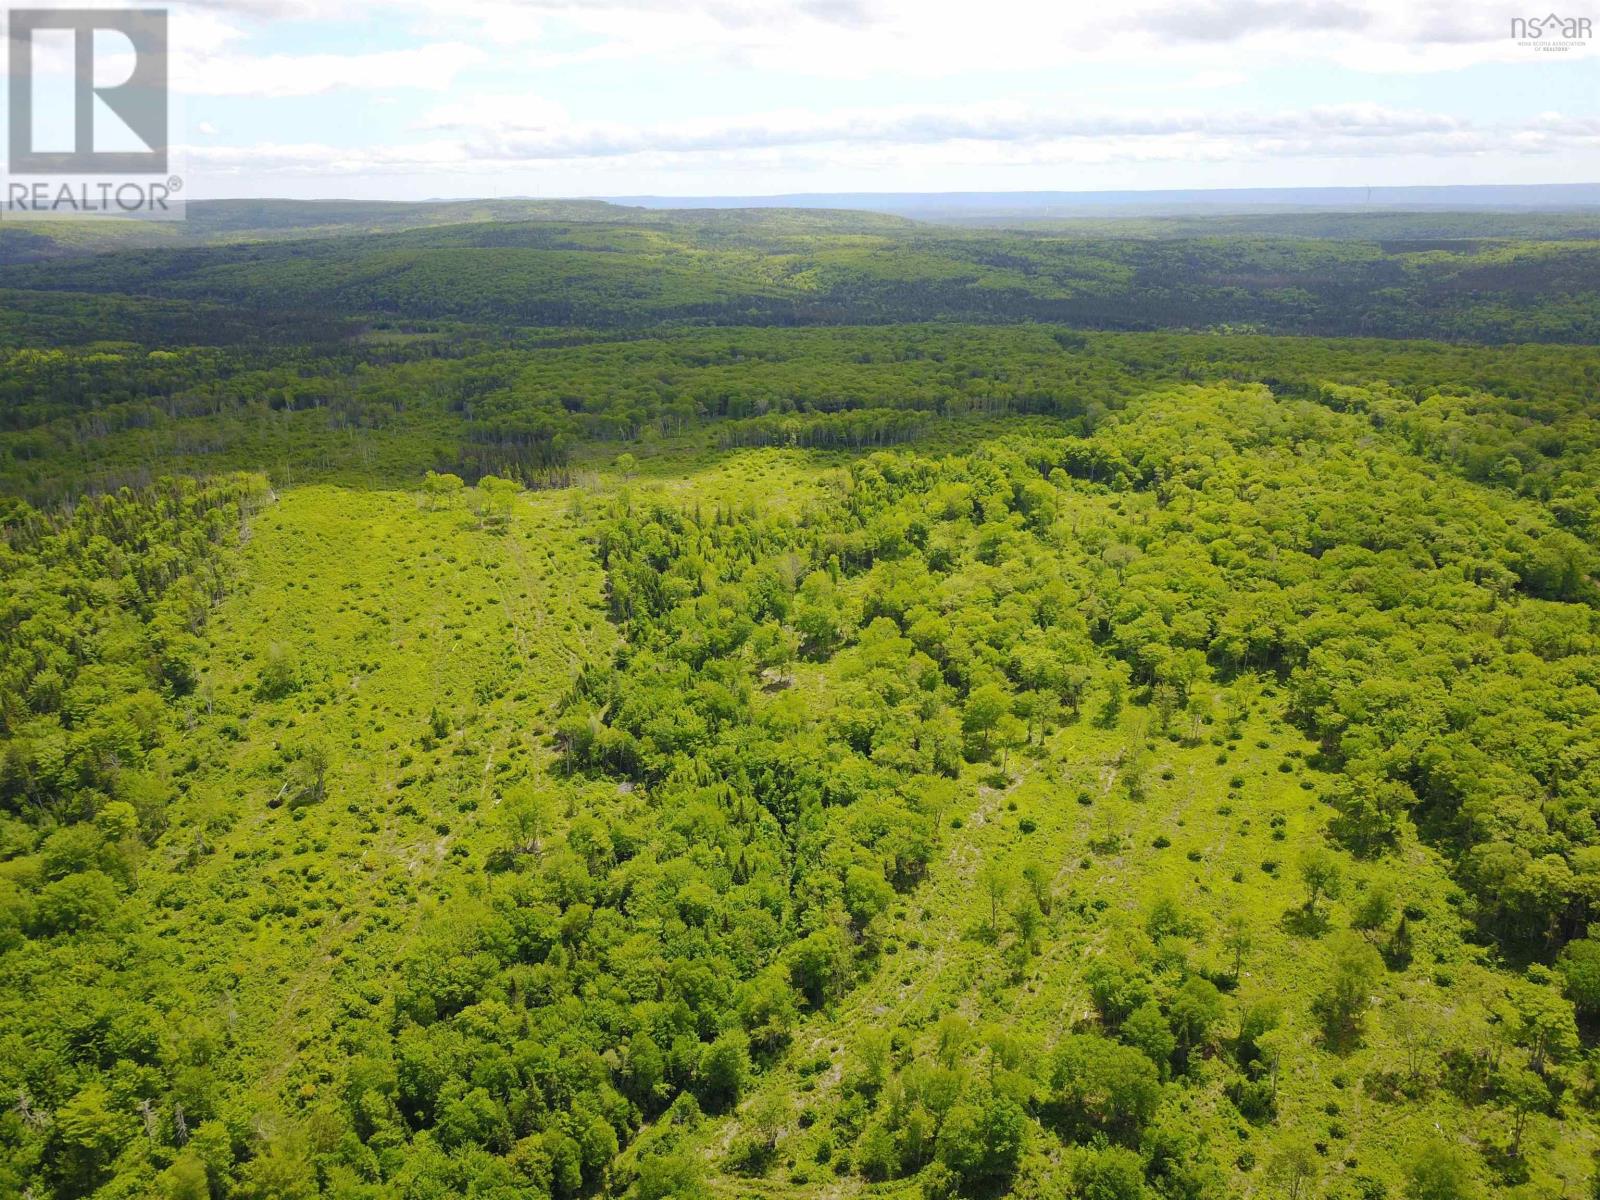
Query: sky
[417, 99]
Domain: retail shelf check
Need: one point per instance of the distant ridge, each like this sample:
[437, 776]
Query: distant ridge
[1048, 205]
[1395, 217]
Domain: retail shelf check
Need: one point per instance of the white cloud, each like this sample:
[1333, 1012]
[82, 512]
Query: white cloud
[434, 67]
[1206, 80]
[936, 125]
[1183, 57]
[519, 112]
[936, 38]
[997, 135]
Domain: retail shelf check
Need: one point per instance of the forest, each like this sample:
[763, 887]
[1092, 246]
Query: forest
[595, 266]
[537, 702]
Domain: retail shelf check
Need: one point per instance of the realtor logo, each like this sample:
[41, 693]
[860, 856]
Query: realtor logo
[89, 116]
[139, 101]
[1552, 33]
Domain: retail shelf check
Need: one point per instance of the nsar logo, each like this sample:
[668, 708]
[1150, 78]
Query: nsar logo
[1552, 32]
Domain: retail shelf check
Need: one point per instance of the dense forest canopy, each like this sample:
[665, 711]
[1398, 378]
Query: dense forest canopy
[1385, 276]
[794, 703]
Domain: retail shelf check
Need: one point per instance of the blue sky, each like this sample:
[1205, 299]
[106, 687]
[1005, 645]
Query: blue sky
[423, 98]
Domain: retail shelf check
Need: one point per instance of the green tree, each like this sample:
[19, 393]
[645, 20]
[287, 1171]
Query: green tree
[1579, 965]
[81, 901]
[1342, 1003]
[1117, 988]
[646, 1070]
[1439, 1171]
[952, 1036]
[498, 497]
[1028, 922]
[284, 1172]
[873, 1047]
[1037, 878]
[1372, 909]
[1108, 1173]
[310, 775]
[1542, 1019]
[671, 1176]
[1322, 875]
[1194, 1012]
[819, 965]
[1411, 1028]
[1111, 707]
[1164, 703]
[768, 1009]
[878, 1150]
[984, 709]
[1099, 1086]
[982, 1139]
[1521, 1093]
[1237, 939]
[1293, 1167]
[185, 1179]
[525, 816]
[280, 673]
[867, 894]
[995, 882]
[1370, 810]
[92, 1131]
[724, 1071]
[441, 488]
[1147, 1029]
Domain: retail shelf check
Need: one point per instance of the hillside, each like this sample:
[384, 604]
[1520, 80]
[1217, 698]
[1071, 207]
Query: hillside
[224, 222]
[1448, 279]
[794, 704]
